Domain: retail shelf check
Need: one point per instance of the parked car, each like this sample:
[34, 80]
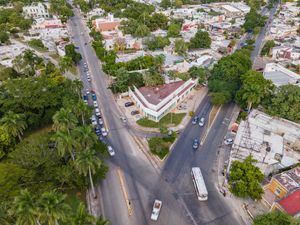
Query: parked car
[94, 97]
[89, 79]
[100, 121]
[195, 120]
[128, 104]
[104, 132]
[110, 150]
[135, 112]
[228, 141]
[95, 104]
[97, 130]
[195, 144]
[94, 120]
[202, 122]
[97, 112]
[85, 99]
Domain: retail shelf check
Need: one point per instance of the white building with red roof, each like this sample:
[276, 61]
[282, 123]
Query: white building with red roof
[155, 102]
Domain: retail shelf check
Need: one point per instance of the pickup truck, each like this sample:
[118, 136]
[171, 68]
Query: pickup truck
[156, 209]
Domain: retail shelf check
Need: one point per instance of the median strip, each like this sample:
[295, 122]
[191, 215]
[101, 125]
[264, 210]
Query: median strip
[123, 187]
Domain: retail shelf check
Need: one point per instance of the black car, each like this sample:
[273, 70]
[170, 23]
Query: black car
[128, 104]
[195, 120]
[135, 112]
[97, 131]
[195, 144]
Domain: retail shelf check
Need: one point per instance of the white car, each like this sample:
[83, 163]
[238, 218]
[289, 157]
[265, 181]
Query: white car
[95, 104]
[100, 121]
[94, 120]
[110, 150]
[202, 122]
[228, 141]
[97, 112]
[156, 209]
[89, 79]
[104, 132]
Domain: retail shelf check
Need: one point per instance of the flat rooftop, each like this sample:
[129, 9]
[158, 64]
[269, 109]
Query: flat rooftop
[155, 95]
[279, 78]
[289, 179]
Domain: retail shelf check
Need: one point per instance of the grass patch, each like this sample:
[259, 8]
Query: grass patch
[161, 146]
[167, 120]
[37, 45]
[73, 69]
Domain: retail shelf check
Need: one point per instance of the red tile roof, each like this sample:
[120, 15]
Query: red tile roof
[291, 203]
[155, 95]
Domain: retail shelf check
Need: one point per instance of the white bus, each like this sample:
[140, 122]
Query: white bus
[199, 184]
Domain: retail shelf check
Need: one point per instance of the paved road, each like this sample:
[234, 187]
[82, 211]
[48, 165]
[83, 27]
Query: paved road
[173, 184]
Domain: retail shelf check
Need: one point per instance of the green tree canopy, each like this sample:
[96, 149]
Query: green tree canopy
[154, 43]
[153, 78]
[245, 179]
[181, 47]
[275, 218]
[174, 30]
[71, 52]
[141, 31]
[253, 19]
[200, 40]
[267, 47]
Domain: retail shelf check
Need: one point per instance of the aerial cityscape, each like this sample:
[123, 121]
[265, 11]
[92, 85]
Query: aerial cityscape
[141, 112]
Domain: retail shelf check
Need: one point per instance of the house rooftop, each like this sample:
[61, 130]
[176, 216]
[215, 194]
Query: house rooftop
[291, 203]
[155, 95]
[289, 179]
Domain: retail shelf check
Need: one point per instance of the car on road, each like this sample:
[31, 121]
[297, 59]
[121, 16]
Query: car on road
[100, 121]
[202, 122]
[195, 144]
[97, 130]
[89, 79]
[85, 99]
[94, 120]
[228, 141]
[110, 150]
[85, 43]
[94, 97]
[135, 112]
[128, 104]
[195, 120]
[156, 210]
[97, 112]
[95, 104]
[104, 132]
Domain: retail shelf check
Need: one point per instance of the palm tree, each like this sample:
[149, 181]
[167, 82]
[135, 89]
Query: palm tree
[82, 110]
[82, 217]
[159, 62]
[64, 119]
[86, 136]
[25, 209]
[87, 163]
[14, 124]
[65, 63]
[65, 143]
[102, 221]
[52, 207]
[77, 85]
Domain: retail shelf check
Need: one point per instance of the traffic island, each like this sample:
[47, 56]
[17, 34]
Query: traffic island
[160, 146]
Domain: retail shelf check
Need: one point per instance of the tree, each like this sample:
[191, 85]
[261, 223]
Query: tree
[285, 103]
[77, 86]
[180, 47]
[82, 111]
[65, 142]
[159, 61]
[153, 78]
[154, 43]
[85, 136]
[52, 207]
[65, 63]
[82, 217]
[274, 218]
[25, 209]
[87, 163]
[5, 142]
[178, 3]
[174, 30]
[220, 98]
[200, 73]
[254, 89]
[64, 119]
[141, 31]
[14, 124]
[200, 40]
[245, 179]
[102, 221]
[157, 21]
[71, 52]
[253, 19]
[267, 47]
[165, 4]
[4, 37]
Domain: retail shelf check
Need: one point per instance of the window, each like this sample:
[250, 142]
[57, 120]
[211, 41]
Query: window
[277, 191]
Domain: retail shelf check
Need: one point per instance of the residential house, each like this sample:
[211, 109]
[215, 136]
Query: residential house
[106, 24]
[36, 10]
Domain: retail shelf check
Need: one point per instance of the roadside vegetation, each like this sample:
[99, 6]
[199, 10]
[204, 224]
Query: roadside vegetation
[275, 218]
[160, 145]
[37, 45]
[47, 146]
